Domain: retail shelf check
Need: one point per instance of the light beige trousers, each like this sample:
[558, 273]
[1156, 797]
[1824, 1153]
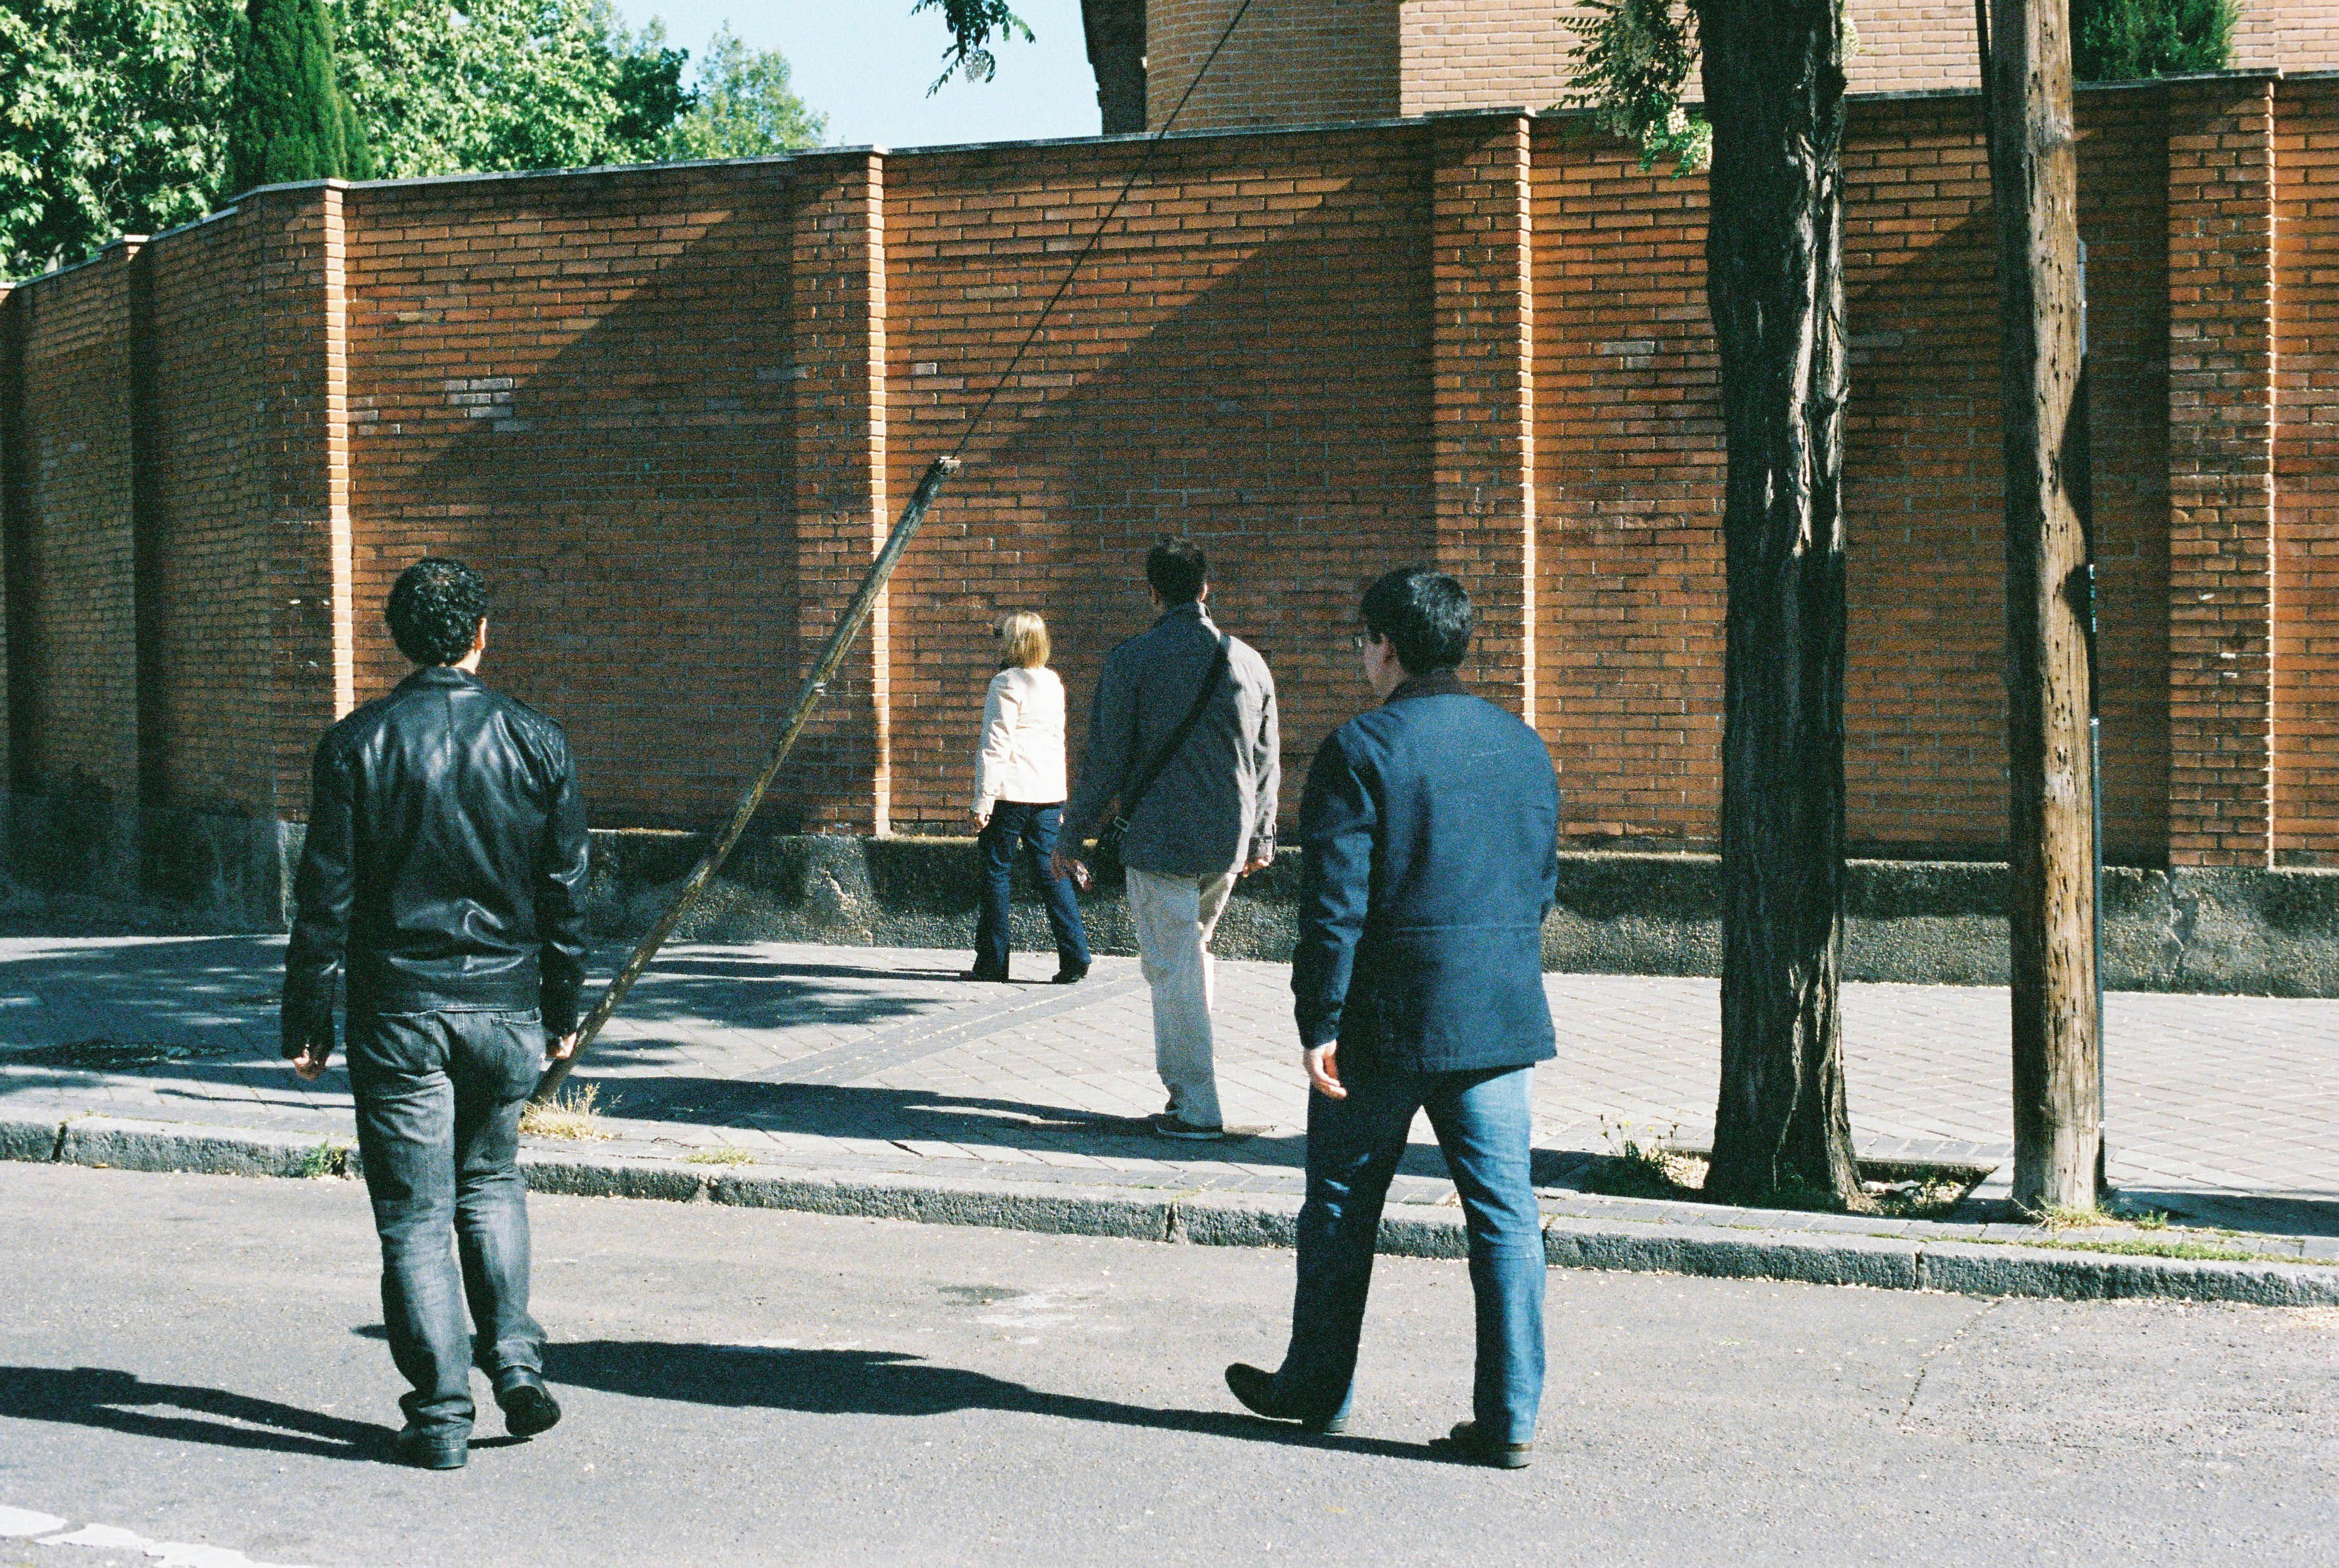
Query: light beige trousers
[1175, 916]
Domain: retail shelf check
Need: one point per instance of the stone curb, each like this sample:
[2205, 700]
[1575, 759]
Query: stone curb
[1231, 1219]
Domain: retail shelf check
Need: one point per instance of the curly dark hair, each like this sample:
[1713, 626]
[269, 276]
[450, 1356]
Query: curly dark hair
[434, 610]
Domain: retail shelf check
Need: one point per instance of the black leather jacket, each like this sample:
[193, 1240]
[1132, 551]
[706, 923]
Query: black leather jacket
[447, 859]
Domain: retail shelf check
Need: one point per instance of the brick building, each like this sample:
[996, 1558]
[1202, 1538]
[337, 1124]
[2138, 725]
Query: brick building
[671, 411]
[1310, 62]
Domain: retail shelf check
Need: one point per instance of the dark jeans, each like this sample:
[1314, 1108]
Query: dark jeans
[1014, 826]
[438, 1098]
[1484, 1126]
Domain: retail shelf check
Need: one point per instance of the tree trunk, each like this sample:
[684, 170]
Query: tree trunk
[1116, 39]
[2033, 181]
[1774, 283]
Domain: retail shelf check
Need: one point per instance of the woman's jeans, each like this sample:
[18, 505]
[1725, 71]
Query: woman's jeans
[1015, 825]
[1484, 1125]
[438, 1098]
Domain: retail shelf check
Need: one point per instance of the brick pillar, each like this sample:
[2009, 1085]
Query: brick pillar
[2221, 407]
[1482, 397]
[12, 502]
[837, 287]
[302, 471]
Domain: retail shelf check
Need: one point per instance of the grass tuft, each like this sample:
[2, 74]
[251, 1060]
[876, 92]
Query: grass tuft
[571, 1114]
[2058, 1220]
[723, 1154]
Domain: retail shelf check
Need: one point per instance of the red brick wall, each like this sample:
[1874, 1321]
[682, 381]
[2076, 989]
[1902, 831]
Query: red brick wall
[2221, 402]
[671, 412]
[73, 683]
[2306, 475]
[1245, 361]
[1290, 63]
[1307, 62]
[1630, 463]
[580, 385]
[1628, 490]
[210, 739]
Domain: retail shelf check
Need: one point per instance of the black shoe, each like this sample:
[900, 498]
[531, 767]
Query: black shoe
[528, 1407]
[1465, 1443]
[1256, 1389]
[428, 1449]
[1070, 974]
[997, 977]
[1165, 1125]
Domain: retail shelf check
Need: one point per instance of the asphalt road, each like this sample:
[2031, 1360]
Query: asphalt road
[196, 1360]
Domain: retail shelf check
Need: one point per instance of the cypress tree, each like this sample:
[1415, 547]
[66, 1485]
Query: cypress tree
[287, 119]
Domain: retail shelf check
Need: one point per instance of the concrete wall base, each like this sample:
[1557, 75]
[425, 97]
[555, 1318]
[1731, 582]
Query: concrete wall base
[2273, 932]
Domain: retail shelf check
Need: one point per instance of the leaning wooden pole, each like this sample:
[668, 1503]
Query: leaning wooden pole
[808, 695]
[2033, 181]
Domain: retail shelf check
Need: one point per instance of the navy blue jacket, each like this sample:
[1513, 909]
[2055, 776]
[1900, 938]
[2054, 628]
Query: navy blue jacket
[1431, 833]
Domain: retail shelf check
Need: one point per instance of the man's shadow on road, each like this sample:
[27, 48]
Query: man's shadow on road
[888, 1383]
[115, 1400]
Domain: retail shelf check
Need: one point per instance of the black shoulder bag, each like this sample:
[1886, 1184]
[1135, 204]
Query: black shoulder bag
[1104, 863]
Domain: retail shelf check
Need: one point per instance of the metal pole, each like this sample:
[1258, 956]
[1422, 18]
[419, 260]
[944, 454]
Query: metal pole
[807, 696]
[2084, 495]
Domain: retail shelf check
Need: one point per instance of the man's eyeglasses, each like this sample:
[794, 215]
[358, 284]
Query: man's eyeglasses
[1360, 641]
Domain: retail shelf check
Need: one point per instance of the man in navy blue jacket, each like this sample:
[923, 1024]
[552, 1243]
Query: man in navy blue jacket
[1430, 827]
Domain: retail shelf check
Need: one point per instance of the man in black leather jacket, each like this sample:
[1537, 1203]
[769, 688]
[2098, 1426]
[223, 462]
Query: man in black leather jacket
[445, 869]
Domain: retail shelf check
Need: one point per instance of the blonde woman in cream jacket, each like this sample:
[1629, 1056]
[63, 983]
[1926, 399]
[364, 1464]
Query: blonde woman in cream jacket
[1019, 800]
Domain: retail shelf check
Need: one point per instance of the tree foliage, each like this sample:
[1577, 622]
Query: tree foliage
[1631, 72]
[745, 106]
[487, 85]
[2126, 40]
[286, 117]
[971, 23]
[111, 120]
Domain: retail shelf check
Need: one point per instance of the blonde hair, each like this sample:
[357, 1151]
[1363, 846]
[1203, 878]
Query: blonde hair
[1025, 639]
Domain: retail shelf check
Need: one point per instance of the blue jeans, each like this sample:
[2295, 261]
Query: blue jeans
[1484, 1126]
[1031, 829]
[438, 1098]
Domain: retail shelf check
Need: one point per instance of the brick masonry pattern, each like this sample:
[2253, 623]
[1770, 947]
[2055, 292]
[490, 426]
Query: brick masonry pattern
[670, 412]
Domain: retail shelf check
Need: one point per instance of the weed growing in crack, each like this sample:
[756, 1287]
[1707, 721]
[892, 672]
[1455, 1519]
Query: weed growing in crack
[572, 1114]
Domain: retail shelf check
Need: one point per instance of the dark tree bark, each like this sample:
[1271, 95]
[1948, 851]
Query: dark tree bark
[2034, 183]
[1774, 284]
[1116, 38]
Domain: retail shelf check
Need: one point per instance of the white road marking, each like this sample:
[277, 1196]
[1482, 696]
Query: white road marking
[23, 1522]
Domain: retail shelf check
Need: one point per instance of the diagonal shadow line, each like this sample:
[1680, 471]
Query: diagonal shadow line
[891, 1383]
[112, 1400]
[909, 1042]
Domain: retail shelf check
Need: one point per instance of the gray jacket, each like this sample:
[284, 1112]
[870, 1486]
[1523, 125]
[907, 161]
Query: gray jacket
[1213, 808]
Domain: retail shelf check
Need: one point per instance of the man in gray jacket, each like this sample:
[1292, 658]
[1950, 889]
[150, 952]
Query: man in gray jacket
[1208, 817]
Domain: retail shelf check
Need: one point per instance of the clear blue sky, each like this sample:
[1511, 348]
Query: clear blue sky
[867, 65]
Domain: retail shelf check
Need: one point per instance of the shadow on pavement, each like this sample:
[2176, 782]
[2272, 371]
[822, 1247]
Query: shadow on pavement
[115, 1400]
[2272, 1213]
[887, 1382]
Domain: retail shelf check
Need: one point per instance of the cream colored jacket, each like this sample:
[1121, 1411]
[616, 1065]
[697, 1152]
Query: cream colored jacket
[1022, 754]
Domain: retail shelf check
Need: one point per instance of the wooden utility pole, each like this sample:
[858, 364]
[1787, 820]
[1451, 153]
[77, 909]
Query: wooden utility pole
[2034, 181]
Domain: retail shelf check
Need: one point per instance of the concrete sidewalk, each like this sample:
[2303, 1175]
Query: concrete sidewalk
[878, 1065]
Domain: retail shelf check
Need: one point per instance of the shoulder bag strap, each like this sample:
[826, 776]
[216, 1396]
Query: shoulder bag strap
[1177, 737]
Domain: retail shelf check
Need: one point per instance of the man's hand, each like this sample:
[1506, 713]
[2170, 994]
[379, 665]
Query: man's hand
[310, 1064]
[1261, 863]
[1324, 1073]
[562, 1049]
[981, 819]
[1062, 864]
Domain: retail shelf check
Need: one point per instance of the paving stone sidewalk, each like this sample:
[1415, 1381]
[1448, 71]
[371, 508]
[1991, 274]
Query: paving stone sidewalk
[2223, 1109]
